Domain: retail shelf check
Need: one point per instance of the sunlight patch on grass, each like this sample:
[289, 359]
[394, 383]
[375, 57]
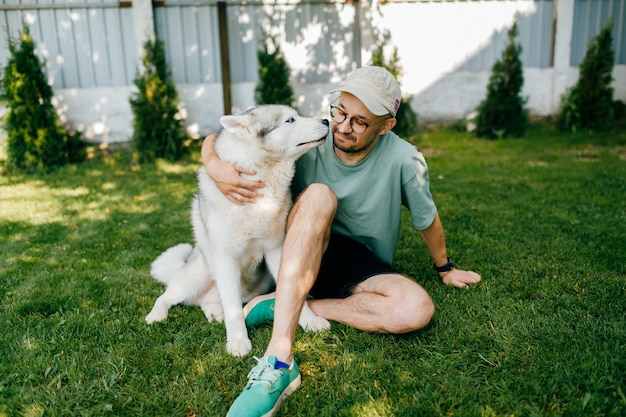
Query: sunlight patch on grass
[489, 412]
[29, 343]
[29, 202]
[199, 367]
[532, 163]
[175, 168]
[108, 186]
[33, 410]
[372, 408]
[37, 203]
[79, 191]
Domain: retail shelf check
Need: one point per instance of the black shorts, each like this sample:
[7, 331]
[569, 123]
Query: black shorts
[345, 264]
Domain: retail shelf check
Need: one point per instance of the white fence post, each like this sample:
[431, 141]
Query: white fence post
[143, 24]
[562, 51]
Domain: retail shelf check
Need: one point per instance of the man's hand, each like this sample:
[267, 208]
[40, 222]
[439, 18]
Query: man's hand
[459, 278]
[227, 177]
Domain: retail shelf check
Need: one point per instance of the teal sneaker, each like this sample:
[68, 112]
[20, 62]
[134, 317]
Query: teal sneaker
[259, 310]
[267, 388]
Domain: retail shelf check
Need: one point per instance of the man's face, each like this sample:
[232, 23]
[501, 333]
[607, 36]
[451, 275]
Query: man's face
[345, 139]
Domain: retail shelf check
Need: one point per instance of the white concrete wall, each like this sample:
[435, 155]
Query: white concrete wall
[104, 114]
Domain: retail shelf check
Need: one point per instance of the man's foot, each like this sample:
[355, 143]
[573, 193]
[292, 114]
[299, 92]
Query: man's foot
[267, 388]
[260, 309]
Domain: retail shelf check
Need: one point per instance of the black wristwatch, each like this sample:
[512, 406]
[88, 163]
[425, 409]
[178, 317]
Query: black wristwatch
[444, 268]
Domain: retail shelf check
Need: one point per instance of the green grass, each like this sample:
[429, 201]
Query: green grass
[543, 219]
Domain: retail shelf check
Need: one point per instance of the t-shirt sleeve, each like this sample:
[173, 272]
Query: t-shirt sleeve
[416, 194]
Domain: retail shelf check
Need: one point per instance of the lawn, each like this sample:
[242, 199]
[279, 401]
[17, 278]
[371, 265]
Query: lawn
[543, 219]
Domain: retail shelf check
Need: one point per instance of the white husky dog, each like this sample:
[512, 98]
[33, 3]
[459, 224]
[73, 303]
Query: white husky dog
[231, 240]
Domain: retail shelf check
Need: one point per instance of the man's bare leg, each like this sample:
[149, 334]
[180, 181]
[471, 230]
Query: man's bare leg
[389, 303]
[308, 232]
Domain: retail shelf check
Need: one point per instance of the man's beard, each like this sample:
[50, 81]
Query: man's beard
[354, 149]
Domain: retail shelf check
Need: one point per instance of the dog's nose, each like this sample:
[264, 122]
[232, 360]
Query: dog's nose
[326, 122]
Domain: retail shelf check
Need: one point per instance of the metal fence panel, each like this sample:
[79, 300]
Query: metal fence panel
[84, 44]
[191, 34]
[90, 43]
[245, 34]
[535, 23]
[191, 40]
[590, 16]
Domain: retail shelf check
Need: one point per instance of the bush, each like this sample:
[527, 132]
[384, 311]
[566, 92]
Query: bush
[158, 127]
[274, 86]
[406, 125]
[589, 104]
[502, 114]
[619, 110]
[36, 141]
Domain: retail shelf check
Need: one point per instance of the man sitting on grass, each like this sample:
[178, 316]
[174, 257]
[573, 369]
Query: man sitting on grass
[342, 233]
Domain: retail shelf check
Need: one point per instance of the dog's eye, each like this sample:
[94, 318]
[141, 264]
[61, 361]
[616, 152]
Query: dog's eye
[291, 120]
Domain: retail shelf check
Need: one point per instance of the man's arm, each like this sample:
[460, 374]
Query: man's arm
[435, 241]
[227, 177]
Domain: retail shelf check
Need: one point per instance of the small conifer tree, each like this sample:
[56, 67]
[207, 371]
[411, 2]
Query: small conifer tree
[274, 86]
[158, 128]
[36, 140]
[589, 104]
[406, 125]
[502, 113]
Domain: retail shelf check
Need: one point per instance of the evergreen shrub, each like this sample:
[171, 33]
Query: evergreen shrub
[619, 110]
[406, 125]
[502, 114]
[158, 127]
[36, 140]
[274, 86]
[589, 103]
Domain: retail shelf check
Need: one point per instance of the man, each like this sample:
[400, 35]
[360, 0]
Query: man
[342, 233]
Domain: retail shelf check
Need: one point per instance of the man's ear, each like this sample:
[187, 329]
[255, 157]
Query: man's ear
[387, 125]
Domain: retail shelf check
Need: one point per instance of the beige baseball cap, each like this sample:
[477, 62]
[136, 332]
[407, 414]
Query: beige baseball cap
[376, 87]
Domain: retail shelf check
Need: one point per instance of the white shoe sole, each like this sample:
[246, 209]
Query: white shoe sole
[255, 302]
[288, 391]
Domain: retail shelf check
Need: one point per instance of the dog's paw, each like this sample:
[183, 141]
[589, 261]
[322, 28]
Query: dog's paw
[156, 315]
[313, 323]
[240, 347]
[213, 312]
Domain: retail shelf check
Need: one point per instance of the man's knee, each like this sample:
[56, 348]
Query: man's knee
[317, 201]
[412, 313]
[320, 195]
[317, 206]
[425, 309]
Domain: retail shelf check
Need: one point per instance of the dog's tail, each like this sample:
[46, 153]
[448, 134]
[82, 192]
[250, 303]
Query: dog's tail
[169, 262]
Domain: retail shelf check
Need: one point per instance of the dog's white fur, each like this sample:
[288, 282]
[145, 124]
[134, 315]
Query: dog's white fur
[225, 268]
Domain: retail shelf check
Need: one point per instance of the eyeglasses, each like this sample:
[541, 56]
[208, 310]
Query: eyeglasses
[358, 126]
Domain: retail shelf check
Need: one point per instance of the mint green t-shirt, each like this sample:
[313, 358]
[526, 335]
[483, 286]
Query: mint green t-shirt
[371, 193]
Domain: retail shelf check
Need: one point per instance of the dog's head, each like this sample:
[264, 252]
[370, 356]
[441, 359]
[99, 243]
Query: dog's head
[277, 130]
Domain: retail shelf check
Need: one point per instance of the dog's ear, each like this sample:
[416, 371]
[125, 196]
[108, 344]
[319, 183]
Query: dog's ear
[235, 124]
